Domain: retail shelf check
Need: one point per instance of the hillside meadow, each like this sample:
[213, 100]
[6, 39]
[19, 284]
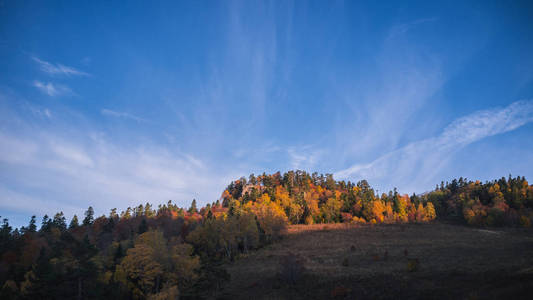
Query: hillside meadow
[423, 261]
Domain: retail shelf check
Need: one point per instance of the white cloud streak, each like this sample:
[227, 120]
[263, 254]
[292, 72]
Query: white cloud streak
[58, 69]
[420, 161]
[118, 114]
[43, 113]
[405, 27]
[405, 78]
[303, 158]
[52, 89]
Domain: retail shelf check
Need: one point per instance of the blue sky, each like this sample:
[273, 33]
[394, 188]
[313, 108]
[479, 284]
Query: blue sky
[114, 104]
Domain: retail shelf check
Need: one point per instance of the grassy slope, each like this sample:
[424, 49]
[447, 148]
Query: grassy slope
[454, 262]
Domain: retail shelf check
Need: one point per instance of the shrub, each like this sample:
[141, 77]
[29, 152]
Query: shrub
[339, 292]
[358, 220]
[346, 217]
[412, 265]
[525, 221]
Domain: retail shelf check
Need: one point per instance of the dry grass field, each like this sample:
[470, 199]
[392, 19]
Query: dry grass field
[430, 261]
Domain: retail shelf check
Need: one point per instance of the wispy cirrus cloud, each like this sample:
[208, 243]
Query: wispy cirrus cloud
[40, 112]
[420, 161]
[58, 69]
[405, 78]
[64, 163]
[305, 157]
[52, 89]
[405, 27]
[51, 172]
[118, 114]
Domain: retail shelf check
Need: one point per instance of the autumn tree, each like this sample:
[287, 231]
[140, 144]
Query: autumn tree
[193, 208]
[430, 211]
[153, 263]
[271, 217]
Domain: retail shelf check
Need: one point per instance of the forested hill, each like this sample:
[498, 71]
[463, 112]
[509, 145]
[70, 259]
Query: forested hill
[160, 253]
[311, 198]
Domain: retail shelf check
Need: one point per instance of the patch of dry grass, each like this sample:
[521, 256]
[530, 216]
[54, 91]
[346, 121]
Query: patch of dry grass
[367, 261]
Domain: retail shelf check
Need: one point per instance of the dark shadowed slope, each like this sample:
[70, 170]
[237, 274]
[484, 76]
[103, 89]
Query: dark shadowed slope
[389, 261]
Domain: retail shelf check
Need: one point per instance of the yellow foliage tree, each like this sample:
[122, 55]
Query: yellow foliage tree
[420, 213]
[282, 197]
[311, 202]
[401, 205]
[271, 218]
[389, 213]
[378, 208]
[152, 262]
[331, 210]
[431, 214]
[142, 269]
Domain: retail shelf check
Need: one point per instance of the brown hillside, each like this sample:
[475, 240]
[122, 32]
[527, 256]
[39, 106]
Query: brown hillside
[430, 261]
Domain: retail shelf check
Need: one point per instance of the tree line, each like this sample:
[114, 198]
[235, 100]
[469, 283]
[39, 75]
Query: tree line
[501, 202]
[170, 252]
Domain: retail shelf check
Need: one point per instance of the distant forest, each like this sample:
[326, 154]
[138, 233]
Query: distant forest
[170, 252]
